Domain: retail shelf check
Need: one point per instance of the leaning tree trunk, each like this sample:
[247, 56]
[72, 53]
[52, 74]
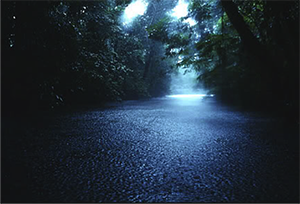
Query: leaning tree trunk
[265, 65]
[250, 41]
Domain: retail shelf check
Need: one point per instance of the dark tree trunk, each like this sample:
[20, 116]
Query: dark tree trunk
[263, 63]
[148, 62]
[223, 59]
[250, 41]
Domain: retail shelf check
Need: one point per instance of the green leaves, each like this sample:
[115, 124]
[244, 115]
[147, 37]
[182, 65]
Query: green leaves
[158, 30]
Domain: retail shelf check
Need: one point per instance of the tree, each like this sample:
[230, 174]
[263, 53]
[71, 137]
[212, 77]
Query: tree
[69, 53]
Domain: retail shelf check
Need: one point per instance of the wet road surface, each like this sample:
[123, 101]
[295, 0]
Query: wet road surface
[160, 150]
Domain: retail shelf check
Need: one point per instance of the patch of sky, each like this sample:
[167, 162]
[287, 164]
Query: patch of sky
[180, 11]
[134, 9]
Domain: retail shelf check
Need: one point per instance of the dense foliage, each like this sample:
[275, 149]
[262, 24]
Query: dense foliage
[246, 52]
[77, 52]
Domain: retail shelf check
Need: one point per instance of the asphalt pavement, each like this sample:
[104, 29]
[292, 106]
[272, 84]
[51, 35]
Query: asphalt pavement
[159, 150]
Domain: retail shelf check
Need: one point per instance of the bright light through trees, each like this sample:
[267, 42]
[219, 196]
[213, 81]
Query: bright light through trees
[190, 21]
[134, 9]
[181, 10]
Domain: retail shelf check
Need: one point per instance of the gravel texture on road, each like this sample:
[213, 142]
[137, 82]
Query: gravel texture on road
[159, 150]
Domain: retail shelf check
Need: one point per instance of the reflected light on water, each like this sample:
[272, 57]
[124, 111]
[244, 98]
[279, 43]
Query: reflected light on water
[190, 100]
[188, 95]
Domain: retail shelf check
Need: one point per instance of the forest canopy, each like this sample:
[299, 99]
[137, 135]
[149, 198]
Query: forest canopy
[64, 53]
